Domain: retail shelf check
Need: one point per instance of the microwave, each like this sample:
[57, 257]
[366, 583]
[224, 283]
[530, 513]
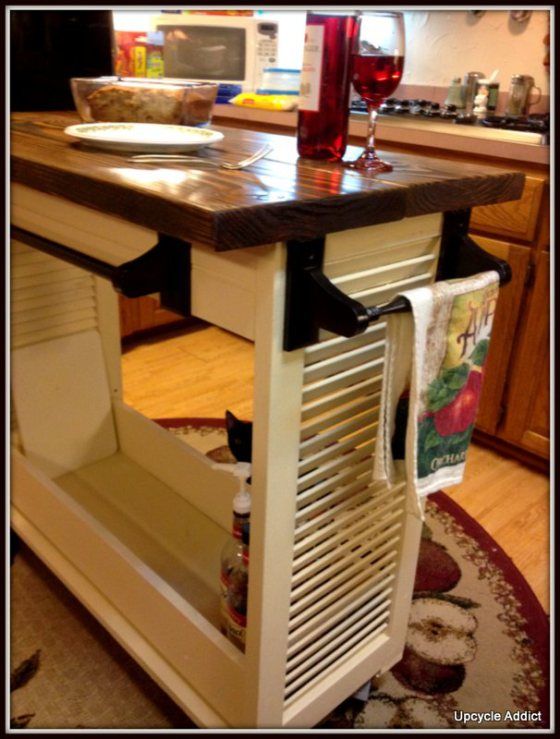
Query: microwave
[224, 49]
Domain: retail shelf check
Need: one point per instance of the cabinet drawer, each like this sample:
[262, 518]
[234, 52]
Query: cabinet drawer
[223, 287]
[516, 218]
[110, 239]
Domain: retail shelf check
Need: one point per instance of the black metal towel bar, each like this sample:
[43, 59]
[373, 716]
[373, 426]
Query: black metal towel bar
[313, 302]
[165, 268]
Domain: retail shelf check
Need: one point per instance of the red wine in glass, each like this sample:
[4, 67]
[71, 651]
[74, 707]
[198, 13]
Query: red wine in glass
[378, 62]
[376, 76]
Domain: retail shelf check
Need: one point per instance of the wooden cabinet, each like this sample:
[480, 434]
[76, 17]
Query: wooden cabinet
[527, 415]
[514, 410]
[515, 219]
[504, 331]
[143, 314]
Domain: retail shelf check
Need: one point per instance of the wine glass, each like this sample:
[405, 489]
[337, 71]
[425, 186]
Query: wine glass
[378, 61]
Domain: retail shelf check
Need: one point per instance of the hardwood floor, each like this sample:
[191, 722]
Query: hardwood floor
[201, 372]
[511, 501]
[197, 372]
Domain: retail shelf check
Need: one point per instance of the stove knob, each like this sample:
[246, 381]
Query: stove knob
[450, 107]
[435, 106]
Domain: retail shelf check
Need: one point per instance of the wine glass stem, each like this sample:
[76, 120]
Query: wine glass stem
[370, 142]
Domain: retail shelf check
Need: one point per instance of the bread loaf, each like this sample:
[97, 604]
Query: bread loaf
[117, 103]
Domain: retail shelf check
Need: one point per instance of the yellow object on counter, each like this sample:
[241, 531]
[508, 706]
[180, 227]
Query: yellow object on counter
[265, 102]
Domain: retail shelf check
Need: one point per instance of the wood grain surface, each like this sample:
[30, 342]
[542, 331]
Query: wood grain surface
[279, 198]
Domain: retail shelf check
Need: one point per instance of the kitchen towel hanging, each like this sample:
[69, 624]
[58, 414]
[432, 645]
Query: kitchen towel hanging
[432, 382]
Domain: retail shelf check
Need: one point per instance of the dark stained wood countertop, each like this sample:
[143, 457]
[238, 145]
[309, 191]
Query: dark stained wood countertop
[278, 198]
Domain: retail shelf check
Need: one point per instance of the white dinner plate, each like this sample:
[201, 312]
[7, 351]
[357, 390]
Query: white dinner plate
[147, 137]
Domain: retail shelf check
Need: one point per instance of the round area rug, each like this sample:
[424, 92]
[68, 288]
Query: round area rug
[476, 653]
[477, 646]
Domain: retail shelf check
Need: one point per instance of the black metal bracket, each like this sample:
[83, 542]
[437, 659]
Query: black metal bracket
[461, 256]
[165, 268]
[313, 302]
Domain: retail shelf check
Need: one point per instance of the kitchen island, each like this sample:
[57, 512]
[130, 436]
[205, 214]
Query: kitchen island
[131, 519]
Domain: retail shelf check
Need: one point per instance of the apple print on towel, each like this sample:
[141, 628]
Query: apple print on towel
[446, 427]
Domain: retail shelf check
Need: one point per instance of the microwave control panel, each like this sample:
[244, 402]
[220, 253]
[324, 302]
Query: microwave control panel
[266, 46]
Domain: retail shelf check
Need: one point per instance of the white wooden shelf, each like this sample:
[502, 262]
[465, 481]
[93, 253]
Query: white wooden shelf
[161, 529]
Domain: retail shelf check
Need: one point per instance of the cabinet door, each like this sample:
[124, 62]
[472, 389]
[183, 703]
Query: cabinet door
[129, 314]
[140, 314]
[515, 219]
[503, 332]
[527, 418]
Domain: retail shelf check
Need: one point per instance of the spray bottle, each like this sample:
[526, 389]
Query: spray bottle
[237, 595]
[232, 553]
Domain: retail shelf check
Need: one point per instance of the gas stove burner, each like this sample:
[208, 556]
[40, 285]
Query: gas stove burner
[402, 107]
[449, 112]
[537, 123]
[468, 119]
[415, 107]
[426, 110]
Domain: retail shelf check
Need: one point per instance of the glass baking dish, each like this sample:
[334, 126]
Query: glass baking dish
[141, 100]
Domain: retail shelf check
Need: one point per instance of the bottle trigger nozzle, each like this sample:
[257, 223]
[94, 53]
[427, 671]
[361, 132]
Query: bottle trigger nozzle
[242, 499]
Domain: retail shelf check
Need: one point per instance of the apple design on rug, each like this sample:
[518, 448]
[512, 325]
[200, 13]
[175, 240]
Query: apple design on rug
[436, 570]
[461, 412]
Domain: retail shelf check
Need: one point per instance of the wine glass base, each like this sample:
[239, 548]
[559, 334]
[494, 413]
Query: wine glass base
[370, 163]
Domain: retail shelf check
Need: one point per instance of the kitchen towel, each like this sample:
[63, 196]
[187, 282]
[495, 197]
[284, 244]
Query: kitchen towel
[432, 381]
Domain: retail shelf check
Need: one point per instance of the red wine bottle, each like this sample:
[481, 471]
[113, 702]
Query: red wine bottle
[324, 98]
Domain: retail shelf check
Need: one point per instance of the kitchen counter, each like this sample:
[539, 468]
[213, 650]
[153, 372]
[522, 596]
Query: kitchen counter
[518, 146]
[279, 198]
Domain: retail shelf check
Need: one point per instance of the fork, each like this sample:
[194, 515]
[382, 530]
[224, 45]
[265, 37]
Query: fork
[149, 158]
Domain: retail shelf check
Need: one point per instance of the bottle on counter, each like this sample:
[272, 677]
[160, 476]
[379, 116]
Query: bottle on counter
[232, 552]
[456, 94]
[237, 595]
[493, 93]
[519, 95]
[469, 83]
[324, 95]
